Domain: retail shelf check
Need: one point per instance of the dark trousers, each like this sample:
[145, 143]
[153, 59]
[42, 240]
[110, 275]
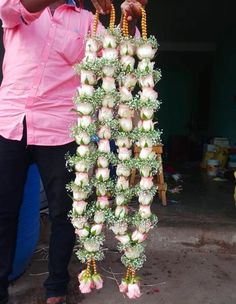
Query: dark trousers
[15, 157]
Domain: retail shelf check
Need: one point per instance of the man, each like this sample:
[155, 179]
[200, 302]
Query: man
[43, 39]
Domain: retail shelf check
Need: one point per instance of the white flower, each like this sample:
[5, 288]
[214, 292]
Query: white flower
[120, 200]
[123, 239]
[84, 121]
[122, 183]
[128, 62]
[84, 108]
[99, 217]
[108, 71]
[79, 207]
[88, 77]
[82, 150]
[145, 211]
[109, 41]
[146, 125]
[108, 84]
[79, 222]
[145, 198]
[81, 166]
[145, 153]
[139, 237]
[110, 54]
[146, 65]
[148, 94]
[127, 48]
[129, 81]
[101, 191]
[86, 90]
[122, 170]
[91, 246]
[123, 142]
[126, 124]
[108, 101]
[132, 253]
[125, 94]
[96, 229]
[104, 132]
[147, 81]
[124, 154]
[102, 202]
[82, 138]
[145, 143]
[145, 51]
[121, 211]
[91, 45]
[82, 233]
[81, 179]
[105, 114]
[102, 174]
[146, 113]
[146, 183]
[90, 56]
[79, 195]
[102, 162]
[125, 111]
[146, 171]
[104, 146]
[120, 228]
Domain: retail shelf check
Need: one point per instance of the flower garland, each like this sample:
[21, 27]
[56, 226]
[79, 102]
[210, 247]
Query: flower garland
[107, 86]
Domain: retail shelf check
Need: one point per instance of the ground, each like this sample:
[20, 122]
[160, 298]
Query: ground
[191, 254]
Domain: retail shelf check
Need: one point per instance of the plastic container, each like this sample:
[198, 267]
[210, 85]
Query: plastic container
[29, 224]
[213, 167]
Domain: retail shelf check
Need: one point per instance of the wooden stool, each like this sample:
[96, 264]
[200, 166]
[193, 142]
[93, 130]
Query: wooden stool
[162, 186]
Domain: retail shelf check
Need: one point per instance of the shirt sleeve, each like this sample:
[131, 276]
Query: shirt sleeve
[13, 13]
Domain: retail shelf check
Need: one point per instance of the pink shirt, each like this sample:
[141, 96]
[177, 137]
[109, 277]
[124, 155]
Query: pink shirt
[39, 81]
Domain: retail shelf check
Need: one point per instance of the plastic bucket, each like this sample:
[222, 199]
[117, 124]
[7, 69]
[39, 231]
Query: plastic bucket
[213, 167]
[28, 225]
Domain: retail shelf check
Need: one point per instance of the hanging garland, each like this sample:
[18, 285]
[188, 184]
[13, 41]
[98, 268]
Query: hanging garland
[106, 104]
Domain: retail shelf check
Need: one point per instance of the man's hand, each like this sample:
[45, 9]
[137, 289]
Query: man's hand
[102, 6]
[133, 8]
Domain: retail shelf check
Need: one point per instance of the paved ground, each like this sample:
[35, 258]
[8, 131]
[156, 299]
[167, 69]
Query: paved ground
[191, 255]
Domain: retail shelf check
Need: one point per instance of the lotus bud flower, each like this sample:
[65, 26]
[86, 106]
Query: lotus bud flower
[122, 183]
[108, 71]
[145, 142]
[110, 54]
[102, 162]
[101, 191]
[88, 77]
[148, 94]
[126, 124]
[127, 48]
[79, 207]
[109, 41]
[86, 283]
[123, 142]
[146, 171]
[145, 51]
[128, 63]
[102, 174]
[122, 170]
[105, 114]
[98, 281]
[125, 94]
[79, 195]
[81, 179]
[125, 111]
[108, 101]
[145, 211]
[133, 291]
[86, 90]
[91, 246]
[96, 229]
[82, 138]
[102, 202]
[99, 217]
[79, 222]
[123, 239]
[91, 45]
[124, 154]
[146, 125]
[81, 166]
[147, 81]
[138, 236]
[120, 228]
[132, 253]
[146, 183]
[145, 198]
[123, 287]
[120, 200]
[82, 233]
[104, 146]
[84, 121]
[146, 113]
[108, 84]
[146, 65]
[90, 56]
[104, 132]
[145, 153]
[121, 211]
[84, 108]
[82, 150]
[129, 81]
